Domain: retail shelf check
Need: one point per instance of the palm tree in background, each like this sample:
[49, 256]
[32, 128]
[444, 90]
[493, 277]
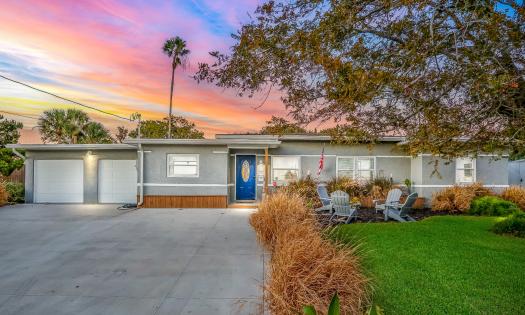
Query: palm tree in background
[71, 126]
[175, 48]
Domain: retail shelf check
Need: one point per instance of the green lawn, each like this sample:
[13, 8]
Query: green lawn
[442, 265]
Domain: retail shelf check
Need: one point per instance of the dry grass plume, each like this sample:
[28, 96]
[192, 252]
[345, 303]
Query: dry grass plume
[515, 194]
[305, 268]
[458, 198]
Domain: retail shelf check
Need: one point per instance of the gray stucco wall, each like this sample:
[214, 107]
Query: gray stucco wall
[213, 171]
[90, 168]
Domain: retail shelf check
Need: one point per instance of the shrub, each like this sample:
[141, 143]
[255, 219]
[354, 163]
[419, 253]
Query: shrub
[3, 193]
[277, 213]
[348, 185]
[306, 269]
[458, 198]
[378, 187]
[513, 225]
[493, 206]
[515, 194]
[15, 192]
[306, 188]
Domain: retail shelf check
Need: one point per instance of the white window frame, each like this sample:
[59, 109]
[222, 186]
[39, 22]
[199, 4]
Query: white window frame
[181, 175]
[457, 168]
[355, 171]
[273, 166]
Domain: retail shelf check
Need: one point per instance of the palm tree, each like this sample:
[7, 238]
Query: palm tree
[71, 126]
[175, 48]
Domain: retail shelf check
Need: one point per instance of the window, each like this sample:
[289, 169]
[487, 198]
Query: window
[345, 167]
[285, 169]
[183, 165]
[365, 168]
[356, 167]
[465, 170]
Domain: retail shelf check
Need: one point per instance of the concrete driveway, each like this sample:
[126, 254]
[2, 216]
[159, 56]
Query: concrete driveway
[94, 259]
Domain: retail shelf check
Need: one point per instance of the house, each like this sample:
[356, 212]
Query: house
[229, 169]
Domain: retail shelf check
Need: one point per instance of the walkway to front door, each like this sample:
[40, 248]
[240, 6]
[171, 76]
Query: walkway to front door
[245, 177]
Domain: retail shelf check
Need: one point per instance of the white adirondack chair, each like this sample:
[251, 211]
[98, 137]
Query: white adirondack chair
[392, 199]
[342, 207]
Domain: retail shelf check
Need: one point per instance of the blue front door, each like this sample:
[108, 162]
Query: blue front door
[245, 177]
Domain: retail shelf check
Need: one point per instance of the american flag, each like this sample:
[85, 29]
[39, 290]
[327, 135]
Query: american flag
[321, 163]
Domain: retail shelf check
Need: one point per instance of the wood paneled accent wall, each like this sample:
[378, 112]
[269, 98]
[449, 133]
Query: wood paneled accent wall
[185, 201]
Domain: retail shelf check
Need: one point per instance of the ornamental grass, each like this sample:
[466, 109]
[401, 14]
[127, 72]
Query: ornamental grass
[306, 188]
[458, 198]
[277, 213]
[305, 268]
[515, 194]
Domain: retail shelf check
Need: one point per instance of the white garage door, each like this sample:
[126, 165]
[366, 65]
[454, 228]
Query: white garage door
[59, 181]
[117, 181]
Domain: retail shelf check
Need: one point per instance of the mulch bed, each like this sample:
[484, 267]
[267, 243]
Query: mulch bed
[368, 215]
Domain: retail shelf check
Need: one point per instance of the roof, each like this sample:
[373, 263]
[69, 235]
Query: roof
[71, 147]
[297, 137]
[230, 142]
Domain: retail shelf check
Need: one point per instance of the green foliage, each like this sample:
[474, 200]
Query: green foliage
[280, 126]
[512, 225]
[15, 192]
[441, 265]
[158, 129]
[417, 68]
[71, 126]
[333, 309]
[492, 206]
[9, 131]
[175, 48]
[9, 162]
[9, 134]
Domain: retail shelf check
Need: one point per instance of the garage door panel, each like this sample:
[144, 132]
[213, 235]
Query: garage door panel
[117, 181]
[59, 181]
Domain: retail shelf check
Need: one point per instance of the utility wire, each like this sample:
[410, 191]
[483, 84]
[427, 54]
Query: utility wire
[14, 114]
[65, 99]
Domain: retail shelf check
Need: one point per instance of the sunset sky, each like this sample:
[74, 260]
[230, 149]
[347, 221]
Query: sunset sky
[108, 54]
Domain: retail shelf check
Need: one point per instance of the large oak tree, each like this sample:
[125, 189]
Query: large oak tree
[448, 75]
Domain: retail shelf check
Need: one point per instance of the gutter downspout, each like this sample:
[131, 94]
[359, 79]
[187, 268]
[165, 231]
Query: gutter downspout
[19, 154]
[141, 189]
[141, 154]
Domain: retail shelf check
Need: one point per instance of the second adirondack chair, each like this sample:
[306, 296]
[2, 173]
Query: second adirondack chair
[392, 199]
[342, 207]
[400, 212]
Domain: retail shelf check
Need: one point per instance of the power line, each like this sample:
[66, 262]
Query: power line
[63, 98]
[20, 115]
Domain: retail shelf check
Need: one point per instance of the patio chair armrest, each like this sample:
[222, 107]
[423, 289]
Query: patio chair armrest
[376, 201]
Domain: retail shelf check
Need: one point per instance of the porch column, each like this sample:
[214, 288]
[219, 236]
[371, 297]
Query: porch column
[265, 190]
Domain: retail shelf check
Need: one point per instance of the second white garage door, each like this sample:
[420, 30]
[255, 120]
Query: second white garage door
[59, 181]
[117, 181]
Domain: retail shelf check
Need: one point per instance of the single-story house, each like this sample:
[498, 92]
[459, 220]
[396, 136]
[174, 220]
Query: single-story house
[229, 169]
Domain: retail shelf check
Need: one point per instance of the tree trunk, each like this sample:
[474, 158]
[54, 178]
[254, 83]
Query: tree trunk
[171, 101]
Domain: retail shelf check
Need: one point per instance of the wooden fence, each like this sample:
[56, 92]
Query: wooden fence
[17, 176]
